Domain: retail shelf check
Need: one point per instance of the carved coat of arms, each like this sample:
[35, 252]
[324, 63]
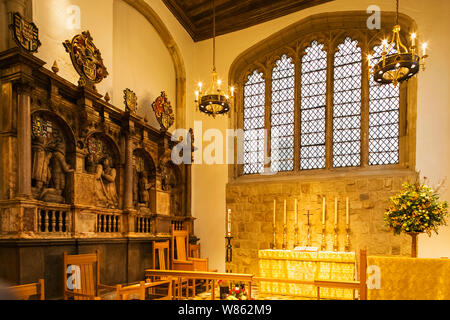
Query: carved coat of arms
[130, 101]
[163, 111]
[86, 59]
[26, 34]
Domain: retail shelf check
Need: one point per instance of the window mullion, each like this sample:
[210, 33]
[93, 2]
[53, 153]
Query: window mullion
[329, 108]
[268, 117]
[365, 96]
[297, 120]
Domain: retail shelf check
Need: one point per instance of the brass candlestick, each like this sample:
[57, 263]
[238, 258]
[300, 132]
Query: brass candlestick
[284, 237]
[229, 255]
[274, 245]
[335, 245]
[347, 238]
[323, 245]
[308, 239]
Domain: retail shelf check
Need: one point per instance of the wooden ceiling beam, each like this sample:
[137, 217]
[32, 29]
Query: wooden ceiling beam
[231, 15]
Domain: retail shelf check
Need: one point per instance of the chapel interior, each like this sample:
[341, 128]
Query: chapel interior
[220, 149]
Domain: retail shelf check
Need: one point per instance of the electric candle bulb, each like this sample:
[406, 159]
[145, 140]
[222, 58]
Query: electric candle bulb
[424, 48]
[413, 39]
[196, 95]
[200, 86]
[232, 91]
[384, 43]
[219, 82]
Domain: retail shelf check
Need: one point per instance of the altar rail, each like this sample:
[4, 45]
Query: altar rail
[249, 279]
[196, 275]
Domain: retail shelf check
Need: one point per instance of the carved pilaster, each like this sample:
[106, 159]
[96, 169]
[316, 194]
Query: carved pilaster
[128, 195]
[23, 90]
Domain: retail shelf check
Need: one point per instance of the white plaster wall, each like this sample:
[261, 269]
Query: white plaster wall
[132, 50]
[52, 18]
[141, 61]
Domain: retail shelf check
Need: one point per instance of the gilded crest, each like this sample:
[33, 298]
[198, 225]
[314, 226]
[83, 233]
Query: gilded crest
[26, 34]
[163, 111]
[86, 59]
[130, 101]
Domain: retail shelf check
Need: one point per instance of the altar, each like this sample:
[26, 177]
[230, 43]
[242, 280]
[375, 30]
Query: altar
[306, 266]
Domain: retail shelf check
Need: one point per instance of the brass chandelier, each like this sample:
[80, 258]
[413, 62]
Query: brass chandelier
[214, 100]
[397, 63]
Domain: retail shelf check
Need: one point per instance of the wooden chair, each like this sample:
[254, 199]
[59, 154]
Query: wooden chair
[161, 251]
[180, 245]
[86, 273]
[200, 265]
[25, 291]
[194, 250]
[180, 261]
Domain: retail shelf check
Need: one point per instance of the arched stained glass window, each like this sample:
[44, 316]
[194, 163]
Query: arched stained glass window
[282, 115]
[347, 105]
[254, 105]
[384, 118]
[313, 107]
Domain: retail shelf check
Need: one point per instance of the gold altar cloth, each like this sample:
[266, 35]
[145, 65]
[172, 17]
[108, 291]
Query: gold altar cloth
[309, 266]
[409, 278]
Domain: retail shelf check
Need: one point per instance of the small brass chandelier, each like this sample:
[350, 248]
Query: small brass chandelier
[397, 62]
[214, 100]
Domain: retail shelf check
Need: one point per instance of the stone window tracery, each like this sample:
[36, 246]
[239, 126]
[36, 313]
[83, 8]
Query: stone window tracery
[318, 110]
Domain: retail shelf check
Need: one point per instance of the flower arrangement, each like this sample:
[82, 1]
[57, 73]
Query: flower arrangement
[237, 294]
[416, 208]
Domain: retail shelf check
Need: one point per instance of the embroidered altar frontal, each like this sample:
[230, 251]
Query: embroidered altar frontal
[306, 266]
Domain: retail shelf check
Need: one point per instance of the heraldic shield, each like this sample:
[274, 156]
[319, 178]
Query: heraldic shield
[86, 59]
[163, 111]
[130, 101]
[26, 34]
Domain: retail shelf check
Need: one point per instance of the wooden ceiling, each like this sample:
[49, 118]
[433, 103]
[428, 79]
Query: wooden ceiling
[231, 15]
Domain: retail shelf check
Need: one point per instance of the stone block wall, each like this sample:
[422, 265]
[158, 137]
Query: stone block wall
[251, 203]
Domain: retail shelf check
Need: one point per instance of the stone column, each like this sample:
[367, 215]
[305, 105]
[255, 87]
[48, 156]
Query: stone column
[6, 7]
[23, 140]
[128, 192]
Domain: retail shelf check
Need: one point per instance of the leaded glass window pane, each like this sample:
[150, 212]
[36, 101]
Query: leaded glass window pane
[282, 115]
[313, 107]
[384, 116]
[347, 105]
[254, 101]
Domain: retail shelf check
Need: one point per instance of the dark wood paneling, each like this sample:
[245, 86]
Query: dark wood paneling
[231, 15]
[25, 261]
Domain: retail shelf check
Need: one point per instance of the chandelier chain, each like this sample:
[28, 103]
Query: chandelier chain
[397, 12]
[214, 36]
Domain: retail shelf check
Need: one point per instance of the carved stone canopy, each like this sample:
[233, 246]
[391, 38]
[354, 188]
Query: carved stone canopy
[86, 59]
